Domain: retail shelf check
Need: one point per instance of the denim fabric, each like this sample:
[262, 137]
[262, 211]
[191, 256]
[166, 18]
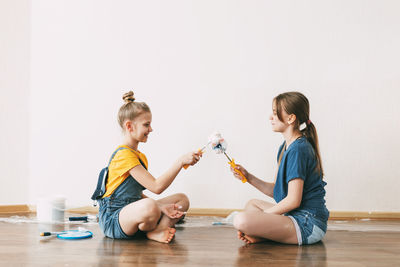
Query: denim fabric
[110, 207]
[312, 228]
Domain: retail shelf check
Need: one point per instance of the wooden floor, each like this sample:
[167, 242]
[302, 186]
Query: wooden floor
[198, 243]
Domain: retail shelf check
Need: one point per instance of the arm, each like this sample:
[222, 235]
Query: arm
[158, 186]
[292, 200]
[264, 187]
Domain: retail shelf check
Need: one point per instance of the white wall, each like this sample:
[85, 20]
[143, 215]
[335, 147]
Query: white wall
[216, 65]
[14, 95]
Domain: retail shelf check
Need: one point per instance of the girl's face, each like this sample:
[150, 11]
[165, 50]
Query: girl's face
[141, 127]
[276, 124]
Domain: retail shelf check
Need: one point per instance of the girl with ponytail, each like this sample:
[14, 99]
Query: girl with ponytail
[300, 214]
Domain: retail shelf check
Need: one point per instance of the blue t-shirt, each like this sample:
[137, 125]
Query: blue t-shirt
[299, 161]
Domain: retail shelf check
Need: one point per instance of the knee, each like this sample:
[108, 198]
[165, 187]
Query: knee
[241, 222]
[150, 210]
[183, 200]
[251, 203]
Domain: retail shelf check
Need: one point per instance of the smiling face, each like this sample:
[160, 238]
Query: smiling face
[140, 128]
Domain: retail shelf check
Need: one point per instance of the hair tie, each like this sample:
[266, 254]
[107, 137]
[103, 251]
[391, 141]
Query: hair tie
[308, 122]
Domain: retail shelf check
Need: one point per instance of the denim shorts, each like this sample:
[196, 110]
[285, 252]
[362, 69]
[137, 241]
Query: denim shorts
[109, 219]
[309, 228]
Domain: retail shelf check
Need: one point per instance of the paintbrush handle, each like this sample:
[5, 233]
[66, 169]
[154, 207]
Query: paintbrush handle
[233, 165]
[199, 151]
[49, 233]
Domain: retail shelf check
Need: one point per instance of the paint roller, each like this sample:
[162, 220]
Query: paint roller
[219, 145]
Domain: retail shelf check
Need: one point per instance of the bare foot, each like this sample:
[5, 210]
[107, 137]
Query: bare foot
[249, 239]
[163, 236]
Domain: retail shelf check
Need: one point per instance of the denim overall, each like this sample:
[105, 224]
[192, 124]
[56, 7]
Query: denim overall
[127, 192]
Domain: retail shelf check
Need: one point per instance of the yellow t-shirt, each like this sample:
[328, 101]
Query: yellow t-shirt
[123, 161]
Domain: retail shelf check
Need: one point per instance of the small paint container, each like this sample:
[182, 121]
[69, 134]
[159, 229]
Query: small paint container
[50, 209]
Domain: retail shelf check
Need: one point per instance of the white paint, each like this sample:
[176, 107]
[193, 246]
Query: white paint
[205, 65]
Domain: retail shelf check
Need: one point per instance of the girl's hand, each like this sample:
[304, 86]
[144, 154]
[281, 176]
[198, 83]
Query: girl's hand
[243, 170]
[172, 211]
[191, 158]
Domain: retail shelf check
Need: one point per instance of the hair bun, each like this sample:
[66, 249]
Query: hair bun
[128, 97]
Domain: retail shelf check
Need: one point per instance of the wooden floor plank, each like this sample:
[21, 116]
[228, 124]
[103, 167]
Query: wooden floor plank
[373, 244]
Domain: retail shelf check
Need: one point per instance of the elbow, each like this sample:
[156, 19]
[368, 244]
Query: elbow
[155, 189]
[158, 190]
[295, 203]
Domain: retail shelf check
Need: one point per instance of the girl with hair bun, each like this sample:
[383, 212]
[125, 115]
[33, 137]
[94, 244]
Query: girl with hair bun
[300, 215]
[124, 210]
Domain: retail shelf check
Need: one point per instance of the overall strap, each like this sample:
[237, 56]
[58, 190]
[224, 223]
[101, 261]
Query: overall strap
[102, 180]
[113, 154]
[141, 162]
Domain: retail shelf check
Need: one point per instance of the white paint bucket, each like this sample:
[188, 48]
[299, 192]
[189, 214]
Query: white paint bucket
[50, 209]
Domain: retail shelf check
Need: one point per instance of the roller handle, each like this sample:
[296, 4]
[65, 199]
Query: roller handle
[233, 165]
[187, 165]
[82, 218]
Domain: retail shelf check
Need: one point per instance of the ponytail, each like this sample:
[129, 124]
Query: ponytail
[310, 132]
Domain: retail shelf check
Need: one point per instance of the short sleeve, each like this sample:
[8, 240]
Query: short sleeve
[296, 165]
[123, 161]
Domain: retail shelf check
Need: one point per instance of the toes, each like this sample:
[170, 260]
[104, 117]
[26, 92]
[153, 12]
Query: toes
[243, 239]
[171, 234]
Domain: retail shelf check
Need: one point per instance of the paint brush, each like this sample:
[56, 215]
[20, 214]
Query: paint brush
[50, 233]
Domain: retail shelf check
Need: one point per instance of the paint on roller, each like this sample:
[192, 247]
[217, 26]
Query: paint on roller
[218, 143]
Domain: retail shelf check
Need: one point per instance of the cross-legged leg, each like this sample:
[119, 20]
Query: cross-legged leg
[257, 205]
[165, 228]
[142, 214]
[178, 199]
[256, 226]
